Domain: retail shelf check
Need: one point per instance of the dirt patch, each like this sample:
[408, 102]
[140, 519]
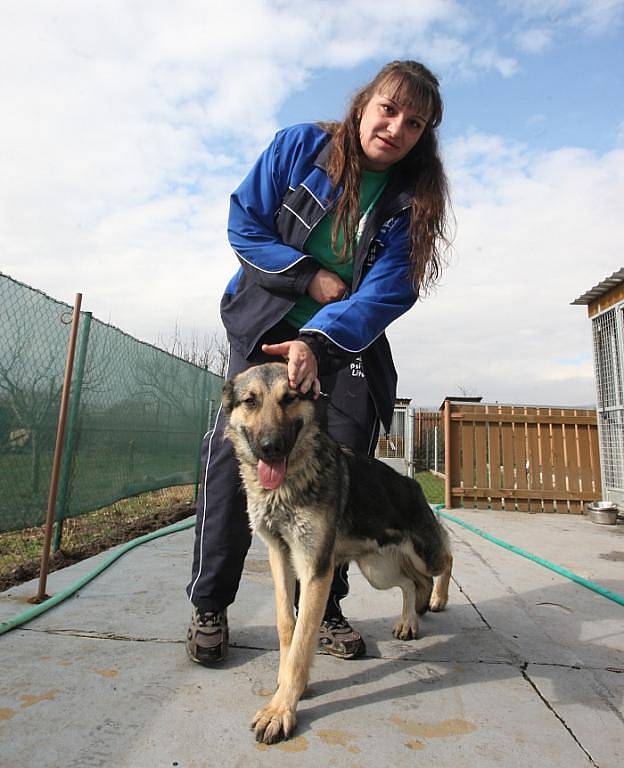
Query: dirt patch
[120, 535]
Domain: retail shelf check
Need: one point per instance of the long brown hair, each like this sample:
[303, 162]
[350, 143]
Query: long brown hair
[410, 84]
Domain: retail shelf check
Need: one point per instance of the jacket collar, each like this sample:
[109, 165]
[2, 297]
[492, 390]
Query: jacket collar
[323, 155]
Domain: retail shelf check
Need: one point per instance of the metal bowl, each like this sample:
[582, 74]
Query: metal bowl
[602, 512]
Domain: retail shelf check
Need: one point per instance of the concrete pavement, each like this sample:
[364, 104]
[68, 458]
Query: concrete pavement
[524, 668]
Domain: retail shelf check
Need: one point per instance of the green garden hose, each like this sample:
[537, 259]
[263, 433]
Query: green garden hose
[539, 560]
[36, 610]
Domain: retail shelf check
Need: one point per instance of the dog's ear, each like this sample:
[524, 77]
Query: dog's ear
[227, 397]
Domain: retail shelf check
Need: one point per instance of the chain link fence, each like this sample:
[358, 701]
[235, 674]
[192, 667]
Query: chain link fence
[135, 422]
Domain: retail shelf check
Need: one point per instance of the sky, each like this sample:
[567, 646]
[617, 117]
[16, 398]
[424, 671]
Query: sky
[127, 124]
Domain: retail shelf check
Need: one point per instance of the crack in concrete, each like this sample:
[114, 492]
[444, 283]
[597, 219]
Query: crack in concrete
[514, 596]
[467, 596]
[521, 666]
[549, 706]
[99, 635]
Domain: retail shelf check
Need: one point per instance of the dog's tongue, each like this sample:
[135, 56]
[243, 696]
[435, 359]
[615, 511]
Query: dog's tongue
[271, 475]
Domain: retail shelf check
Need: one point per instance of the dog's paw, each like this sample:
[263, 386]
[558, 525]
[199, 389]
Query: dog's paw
[273, 723]
[405, 629]
[438, 602]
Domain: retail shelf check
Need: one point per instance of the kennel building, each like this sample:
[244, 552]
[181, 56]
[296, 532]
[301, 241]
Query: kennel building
[605, 307]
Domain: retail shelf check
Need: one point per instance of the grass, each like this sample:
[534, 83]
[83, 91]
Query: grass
[432, 486]
[17, 547]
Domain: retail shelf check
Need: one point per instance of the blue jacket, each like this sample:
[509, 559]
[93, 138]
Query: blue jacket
[273, 211]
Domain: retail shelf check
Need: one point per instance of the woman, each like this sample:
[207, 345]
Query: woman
[337, 227]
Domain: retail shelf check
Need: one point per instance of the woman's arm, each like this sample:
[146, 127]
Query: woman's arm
[251, 224]
[341, 330]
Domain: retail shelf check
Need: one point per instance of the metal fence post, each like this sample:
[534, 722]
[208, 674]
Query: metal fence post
[72, 420]
[410, 457]
[419, 441]
[447, 454]
[56, 464]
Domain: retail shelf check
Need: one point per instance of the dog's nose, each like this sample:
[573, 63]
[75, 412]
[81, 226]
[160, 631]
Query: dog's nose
[272, 447]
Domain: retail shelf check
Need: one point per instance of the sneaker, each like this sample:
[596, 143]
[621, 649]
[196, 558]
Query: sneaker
[207, 637]
[338, 638]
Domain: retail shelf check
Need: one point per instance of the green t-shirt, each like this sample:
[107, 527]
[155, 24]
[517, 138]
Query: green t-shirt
[319, 246]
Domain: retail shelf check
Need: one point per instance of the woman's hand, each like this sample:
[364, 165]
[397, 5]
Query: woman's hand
[326, 287]
[302, 366]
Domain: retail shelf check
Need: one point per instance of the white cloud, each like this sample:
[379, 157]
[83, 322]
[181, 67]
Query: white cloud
[593, 17]
[534, 40]
[131, 121]
[488, 58]
[535, 230]
[127, 124]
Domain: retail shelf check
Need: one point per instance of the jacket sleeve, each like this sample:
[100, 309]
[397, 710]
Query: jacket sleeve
[343, 329]
[251, 226]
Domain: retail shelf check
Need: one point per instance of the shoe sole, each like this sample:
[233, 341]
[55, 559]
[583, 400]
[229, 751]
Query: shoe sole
[205, 662]
[324, 649]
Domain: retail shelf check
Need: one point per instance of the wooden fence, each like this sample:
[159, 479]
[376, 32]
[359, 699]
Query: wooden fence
[520, 457]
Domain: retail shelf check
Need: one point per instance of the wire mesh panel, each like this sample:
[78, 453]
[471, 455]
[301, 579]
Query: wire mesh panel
[612, 449]
[33, 347]
[138, 425]
[135, 421]
[608, 335]
[607, 359]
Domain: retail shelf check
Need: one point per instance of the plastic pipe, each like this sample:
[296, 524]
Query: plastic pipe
[32, 613]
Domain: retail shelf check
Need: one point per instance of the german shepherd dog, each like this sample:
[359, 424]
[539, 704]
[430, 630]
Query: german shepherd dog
[316, 504]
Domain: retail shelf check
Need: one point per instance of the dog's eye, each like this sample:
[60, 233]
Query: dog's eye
[288, 398]
[250, 401]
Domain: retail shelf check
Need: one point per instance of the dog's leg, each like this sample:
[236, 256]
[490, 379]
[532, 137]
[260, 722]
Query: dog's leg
[284, 581]
[406, 627]
[277, 721]
[439, 596]
[384, 571]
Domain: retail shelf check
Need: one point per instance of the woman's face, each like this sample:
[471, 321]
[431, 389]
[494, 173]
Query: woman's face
[388, 131]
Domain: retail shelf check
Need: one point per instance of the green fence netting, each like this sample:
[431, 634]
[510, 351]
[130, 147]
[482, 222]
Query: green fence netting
[136, 414]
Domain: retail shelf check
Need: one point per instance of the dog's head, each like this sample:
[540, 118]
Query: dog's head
[266, 420]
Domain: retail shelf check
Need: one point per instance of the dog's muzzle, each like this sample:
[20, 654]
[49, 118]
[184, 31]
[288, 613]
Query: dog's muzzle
[272, 460]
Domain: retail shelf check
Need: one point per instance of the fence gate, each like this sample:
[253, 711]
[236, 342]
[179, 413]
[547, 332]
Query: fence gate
[395, 447]
[428, 445]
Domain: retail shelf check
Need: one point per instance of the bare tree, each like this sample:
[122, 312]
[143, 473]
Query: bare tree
[210, 350]
[467, 390]
[31, 379]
